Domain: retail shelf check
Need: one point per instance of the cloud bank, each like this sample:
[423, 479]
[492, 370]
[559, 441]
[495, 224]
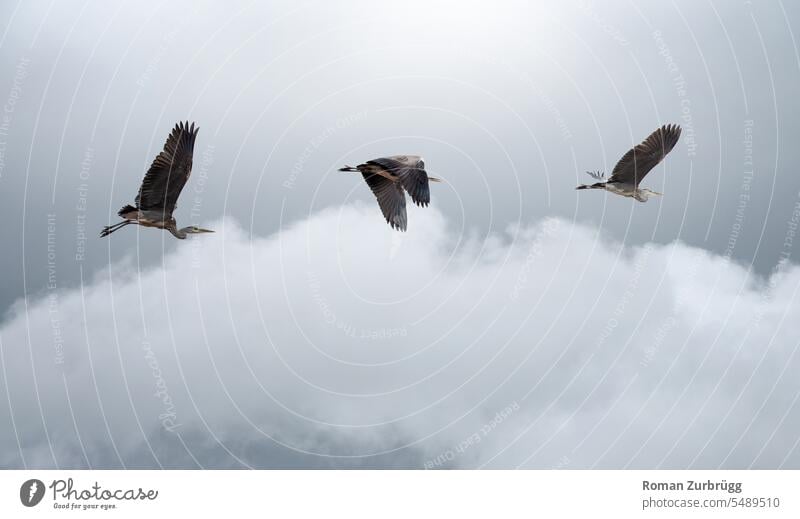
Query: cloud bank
[338, 343]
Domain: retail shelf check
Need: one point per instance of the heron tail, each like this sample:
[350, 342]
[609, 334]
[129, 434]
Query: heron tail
[348, 168]
[127, 209]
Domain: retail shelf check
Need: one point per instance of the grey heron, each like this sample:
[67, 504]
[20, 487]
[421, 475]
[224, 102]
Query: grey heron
[636, 163]
[162, 185]
[387, 177]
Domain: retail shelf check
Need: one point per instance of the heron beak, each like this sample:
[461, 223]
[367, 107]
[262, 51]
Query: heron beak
[204, 230]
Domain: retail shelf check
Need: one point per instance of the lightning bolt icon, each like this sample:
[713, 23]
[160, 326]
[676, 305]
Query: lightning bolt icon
[32, 491]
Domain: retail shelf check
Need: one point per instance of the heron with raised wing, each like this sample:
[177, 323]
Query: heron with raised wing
[636, 163]
[388, 177]
[162, 185]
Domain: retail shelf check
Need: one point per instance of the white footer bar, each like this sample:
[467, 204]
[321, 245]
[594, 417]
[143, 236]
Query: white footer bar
[354, 494]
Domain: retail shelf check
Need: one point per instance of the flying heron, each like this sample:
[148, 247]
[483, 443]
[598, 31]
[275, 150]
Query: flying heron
[388, 176]
[162, 186]
[634, 165]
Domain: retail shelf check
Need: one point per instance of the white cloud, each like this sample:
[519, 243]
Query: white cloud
[339, 342]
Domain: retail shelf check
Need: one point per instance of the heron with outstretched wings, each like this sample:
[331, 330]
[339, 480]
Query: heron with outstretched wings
[636, 164]
[162, 185]
[390, 178]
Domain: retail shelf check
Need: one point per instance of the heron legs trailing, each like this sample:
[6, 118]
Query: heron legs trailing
[108, 229]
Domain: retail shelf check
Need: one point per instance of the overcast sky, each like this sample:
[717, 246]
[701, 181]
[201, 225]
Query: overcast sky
[518, 322]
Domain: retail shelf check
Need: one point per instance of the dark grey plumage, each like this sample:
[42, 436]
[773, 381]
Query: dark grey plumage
[642, 158]
[164, 181]
[388, 177]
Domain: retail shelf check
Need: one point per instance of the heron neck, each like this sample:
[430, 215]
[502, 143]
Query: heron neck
[178, 233]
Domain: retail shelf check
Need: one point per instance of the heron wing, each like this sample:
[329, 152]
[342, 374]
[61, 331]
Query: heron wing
[634, 165]
[164, 181]
[415, 181]
[396, 162]
[391, 199]
[410, 171]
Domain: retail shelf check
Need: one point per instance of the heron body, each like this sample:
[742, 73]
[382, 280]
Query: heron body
[162, 185]
[151, 218]
[636, 163]
[390, 178]
[623, 189]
